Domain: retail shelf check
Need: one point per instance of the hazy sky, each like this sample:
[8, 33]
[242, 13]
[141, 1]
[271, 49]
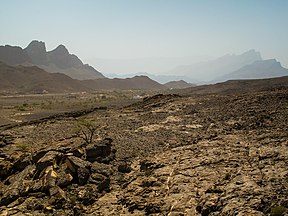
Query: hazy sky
[127, 29]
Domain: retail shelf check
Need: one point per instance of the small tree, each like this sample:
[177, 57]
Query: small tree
[85, 129]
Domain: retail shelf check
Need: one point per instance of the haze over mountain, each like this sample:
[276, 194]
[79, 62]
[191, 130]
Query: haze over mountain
[259, 69]
[58, 60]
[158, 78]
[209, 70]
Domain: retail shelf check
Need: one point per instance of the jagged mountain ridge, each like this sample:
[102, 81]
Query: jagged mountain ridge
[58, 60]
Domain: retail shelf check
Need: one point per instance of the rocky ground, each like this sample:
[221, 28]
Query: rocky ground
[167, 155]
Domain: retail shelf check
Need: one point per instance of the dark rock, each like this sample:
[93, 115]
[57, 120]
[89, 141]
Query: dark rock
[146, 165]
[5, 169]
[100, 151]
[124, 168]
[35, 204]
[79, 168]
[19, 186]
[38, 155]
[83, 175]
[64, 176]
[101, 168]
[78, 152]
[102, 182]
[22, 163]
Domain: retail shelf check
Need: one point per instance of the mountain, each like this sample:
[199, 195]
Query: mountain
[178, 84]
[236, 86]
[209, 70]
[158, 78]
[13, 55]
[31, 79]
[58, 60]
[27, 79]
[134, 83]
[257, 70]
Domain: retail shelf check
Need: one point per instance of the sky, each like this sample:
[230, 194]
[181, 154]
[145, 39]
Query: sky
[137, 33]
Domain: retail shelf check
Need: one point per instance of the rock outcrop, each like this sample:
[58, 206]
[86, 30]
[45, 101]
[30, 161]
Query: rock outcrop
[57, 177]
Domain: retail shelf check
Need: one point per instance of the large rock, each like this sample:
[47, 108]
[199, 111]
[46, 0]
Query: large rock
[5, 169]
[48, 178]
[19, 185]
[79, 168]
[64, 176]
[51, 158]
[101, 151]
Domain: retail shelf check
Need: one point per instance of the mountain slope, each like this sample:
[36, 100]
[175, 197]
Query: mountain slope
[58, 60]
[257, 70]
[31, 79]
[236, 86]
[35, 80]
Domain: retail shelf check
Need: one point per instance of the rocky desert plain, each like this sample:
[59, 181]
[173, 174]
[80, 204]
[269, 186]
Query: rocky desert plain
[195, 151]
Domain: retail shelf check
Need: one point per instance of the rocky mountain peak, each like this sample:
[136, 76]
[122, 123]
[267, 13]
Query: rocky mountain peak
[37, 52]
[252, 54]
[36, 45]
[61, 50]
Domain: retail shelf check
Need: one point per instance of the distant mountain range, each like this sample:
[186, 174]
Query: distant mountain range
[58, 60]
[158, 78]
[31, 79]
[68, 69]
[258, 69]
[210, 70]
[248, 65]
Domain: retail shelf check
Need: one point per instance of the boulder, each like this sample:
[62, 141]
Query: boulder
[51, 158]
[79, 168]
[48, 178]
[124, 168]
[64, 176]
[19, 186]
[100, 151]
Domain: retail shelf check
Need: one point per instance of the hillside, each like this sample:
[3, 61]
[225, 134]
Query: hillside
[137, 82]
[236, 86]
[24, 79]
[58, 60]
